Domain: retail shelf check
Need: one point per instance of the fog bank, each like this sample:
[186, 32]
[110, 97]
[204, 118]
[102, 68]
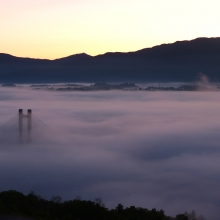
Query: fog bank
[149, 149]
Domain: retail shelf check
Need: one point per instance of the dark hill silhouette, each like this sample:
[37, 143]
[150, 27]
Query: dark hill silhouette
[7, 58]
[180, 61]
[73, 58]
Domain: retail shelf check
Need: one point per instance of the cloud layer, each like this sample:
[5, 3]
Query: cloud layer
[150, 149]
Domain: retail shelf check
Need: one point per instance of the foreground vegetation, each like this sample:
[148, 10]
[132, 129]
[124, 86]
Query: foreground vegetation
[13, 203]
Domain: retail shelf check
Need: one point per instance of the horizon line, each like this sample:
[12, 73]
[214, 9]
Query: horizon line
[26, 57]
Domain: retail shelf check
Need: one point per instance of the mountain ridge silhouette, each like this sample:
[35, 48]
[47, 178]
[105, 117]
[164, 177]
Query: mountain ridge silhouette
[178, 61]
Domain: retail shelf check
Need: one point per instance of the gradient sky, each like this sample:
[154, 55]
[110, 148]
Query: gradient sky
[55, 28]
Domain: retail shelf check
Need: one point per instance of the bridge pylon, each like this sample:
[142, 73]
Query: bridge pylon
[21, 118]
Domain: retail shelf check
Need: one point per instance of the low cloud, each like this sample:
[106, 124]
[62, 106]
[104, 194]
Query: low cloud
[150, 149]
[204, 81]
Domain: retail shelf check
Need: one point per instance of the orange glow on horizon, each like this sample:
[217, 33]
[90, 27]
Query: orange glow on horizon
[53, 29]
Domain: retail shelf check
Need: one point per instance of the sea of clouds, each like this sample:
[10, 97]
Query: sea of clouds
[150, 149]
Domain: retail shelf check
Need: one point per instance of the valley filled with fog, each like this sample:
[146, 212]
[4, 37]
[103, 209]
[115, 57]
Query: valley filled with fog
[150, 149]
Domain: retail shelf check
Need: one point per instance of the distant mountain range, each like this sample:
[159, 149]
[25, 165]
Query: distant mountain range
[181, 61]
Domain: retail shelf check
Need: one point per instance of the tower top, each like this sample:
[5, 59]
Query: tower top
[21, 110]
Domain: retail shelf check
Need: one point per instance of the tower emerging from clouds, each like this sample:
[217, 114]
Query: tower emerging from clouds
[21, 127]
[25, 128]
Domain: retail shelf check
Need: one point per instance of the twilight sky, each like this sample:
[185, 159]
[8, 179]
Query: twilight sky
[54, 28]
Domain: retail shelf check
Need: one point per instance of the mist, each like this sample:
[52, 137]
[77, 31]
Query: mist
[150, 149]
